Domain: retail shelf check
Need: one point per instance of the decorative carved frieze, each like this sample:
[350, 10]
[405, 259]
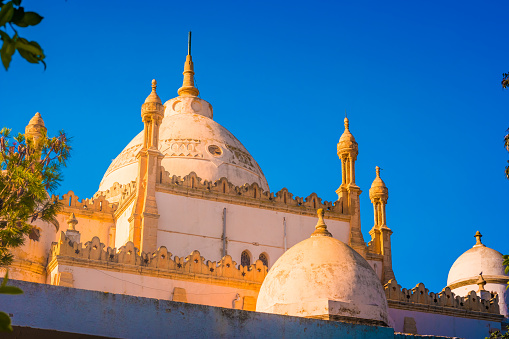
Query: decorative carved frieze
[420, 295]
[163, 260]
[181, 148]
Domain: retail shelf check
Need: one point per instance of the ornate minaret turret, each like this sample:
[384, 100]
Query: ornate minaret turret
[380, 233]
[349, 192]
[143, 222]
[188, 88]
[35, 128]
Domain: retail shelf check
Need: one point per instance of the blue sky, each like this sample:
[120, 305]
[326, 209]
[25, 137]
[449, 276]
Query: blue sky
[420, 81]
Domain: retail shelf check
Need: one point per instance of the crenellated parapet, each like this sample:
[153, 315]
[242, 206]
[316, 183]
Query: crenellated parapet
[248, 194]
[160, 262]
[419, 298]
[118, 193]
[71, 203]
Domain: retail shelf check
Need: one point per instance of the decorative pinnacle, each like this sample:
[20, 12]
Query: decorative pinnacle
[478, 237]
[188, 88]
[153, 97]
[347, 125]
[377, 171]
[481, 282]
[321, 228]
[72, 221]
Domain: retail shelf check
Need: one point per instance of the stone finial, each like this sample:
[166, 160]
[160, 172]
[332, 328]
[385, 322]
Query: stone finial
[188, 88]
[347, 124]
[72, 221]
[153, 97]
[377, 169]
[478, 237]
[321, 228]
[481, 282]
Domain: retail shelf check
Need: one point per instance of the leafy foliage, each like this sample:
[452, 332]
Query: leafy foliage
[5, 320]
[505, 80]
[12, 14]
[498, 335]
[29, 170]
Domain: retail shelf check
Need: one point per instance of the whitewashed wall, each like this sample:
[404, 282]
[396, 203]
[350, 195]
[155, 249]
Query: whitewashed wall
[186, 224]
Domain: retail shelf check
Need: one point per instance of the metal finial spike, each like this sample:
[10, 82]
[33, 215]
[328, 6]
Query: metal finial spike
[189, 44]
[345, 113]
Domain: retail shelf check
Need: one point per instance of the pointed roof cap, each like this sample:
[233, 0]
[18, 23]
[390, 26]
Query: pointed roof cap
[478, 237]
[72, 221]
[188, 88]
[321, 228]
[36, 120]
[153, 97]
[347, 136]
[378, 182]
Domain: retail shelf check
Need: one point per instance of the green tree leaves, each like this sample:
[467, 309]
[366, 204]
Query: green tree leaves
[29, 168]
[12, 14]
[5, 320]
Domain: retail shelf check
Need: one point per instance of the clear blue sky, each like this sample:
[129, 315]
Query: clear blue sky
[420, 81]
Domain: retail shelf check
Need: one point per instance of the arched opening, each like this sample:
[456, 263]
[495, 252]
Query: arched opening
[245, 258]
[264, 258]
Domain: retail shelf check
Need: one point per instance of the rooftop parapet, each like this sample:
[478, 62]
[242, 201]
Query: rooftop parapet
[445, 301]
[98, 253]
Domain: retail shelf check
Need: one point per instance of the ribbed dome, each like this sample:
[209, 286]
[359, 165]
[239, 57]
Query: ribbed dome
[191, 141]
[474, 261]
[319, 269]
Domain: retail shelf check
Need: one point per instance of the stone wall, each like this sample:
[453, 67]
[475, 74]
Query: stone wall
[120, 316]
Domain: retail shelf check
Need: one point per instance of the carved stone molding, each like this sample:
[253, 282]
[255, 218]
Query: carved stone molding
[191, 267]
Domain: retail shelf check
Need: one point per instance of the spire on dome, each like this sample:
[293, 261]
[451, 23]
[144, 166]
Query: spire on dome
[321, 228]
[347, 136]
[153, 97]
[378, 182]
[478, 237]
[188, 88]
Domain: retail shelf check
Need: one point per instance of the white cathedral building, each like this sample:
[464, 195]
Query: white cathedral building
[184, 213]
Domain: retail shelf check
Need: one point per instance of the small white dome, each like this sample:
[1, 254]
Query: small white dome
[474, 261]
[322, 277]
[191, 142]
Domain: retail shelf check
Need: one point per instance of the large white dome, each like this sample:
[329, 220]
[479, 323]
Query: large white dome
[322, 275]
[478, 259]
[191, 141]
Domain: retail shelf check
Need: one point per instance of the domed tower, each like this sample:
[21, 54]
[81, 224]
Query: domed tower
[144, 218]
[31, 258]
[322, 277]
[35, 129]
[381, 234]
[190, 141]
[480, 260]
[349, 192]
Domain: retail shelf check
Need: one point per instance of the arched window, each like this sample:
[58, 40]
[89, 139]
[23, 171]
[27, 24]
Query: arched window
[264, 258]
[245, 258]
